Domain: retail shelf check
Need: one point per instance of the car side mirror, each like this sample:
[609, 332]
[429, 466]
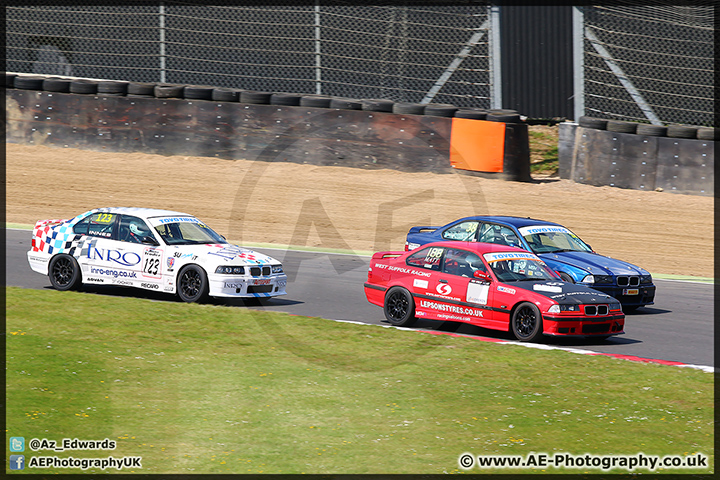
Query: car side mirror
[479, 274]
[150, 241]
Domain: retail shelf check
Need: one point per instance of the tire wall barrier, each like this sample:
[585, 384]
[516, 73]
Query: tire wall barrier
[632, 160]
[355, 133]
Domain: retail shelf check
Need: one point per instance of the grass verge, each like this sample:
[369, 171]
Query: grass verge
[543, 142]
[220, 389]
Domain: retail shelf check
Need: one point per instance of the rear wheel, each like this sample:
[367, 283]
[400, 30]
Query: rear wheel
[526, 322]
[64, 273]
[192, 284]
[399, 307]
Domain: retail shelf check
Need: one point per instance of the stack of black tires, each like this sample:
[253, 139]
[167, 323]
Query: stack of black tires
[672, 131]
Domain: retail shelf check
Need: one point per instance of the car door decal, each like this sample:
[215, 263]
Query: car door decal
[477, 292]
[151, 263]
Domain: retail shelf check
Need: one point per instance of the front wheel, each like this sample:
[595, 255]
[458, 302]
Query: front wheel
[64, 273]
[565, 277]
[399, 307]
[526, 322]
[192, 285]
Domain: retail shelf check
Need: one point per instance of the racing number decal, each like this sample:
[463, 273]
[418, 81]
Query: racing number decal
[151, 266]
[433, 256]
[104, 218]
[151, 263]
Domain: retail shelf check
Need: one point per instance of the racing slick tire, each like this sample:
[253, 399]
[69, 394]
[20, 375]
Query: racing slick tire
[64, 273]
[192, 284]
[526, 323]
[399, 307]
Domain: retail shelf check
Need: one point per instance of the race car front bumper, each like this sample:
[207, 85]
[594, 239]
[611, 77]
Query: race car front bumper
[246, 286]
[584, 326]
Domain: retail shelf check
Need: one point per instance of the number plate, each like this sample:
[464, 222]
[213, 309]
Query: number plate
[631, 291]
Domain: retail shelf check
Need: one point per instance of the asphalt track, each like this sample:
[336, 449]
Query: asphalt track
[677, 328]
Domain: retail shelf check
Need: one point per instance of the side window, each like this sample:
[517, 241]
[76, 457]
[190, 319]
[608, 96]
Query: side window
[96, 225]
[132, 229]
[426, 258]
[492, 233]
[464, 231]
[461, 262]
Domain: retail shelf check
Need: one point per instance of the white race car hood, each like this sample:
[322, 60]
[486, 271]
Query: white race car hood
[220, 254]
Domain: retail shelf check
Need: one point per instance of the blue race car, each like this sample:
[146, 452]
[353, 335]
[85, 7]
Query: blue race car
[558, 247]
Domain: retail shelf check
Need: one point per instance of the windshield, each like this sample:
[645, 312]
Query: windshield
[186, 231]
[518, 267]
[553, 239]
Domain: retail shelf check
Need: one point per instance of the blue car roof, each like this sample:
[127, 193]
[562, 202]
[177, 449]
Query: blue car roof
[516, 222]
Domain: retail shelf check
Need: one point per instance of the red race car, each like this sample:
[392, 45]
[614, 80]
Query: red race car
[491, 286]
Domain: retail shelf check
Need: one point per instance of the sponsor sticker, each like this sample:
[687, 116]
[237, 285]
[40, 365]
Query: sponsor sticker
[393, 268]
[161, 221]
[544, 287]
[503, 289]
[419, 283]
[542, 229]
[500, 256]
[478, 293]
[443, 289]
[151, 263]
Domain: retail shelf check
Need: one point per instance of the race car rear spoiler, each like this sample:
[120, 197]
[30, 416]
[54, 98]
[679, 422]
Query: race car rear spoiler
[422, 229]
[381, 255]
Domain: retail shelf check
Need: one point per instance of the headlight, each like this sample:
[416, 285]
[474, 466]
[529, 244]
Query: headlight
[588, 279]
[614, 306]
[604, 279]
[277, 269]
[564, 308]
[569, 308]
[229, 270]
[645, 279]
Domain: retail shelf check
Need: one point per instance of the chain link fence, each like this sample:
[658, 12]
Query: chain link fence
[640, 62]
[651, 63]
[411, 53]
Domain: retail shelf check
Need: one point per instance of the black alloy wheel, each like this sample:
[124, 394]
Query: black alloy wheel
[527, 322]
[399, 307]
[192, 284]
[64, 273]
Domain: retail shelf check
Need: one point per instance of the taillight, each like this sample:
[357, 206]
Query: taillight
[407, 249]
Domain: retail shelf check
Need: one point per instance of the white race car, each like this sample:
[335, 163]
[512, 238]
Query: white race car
[151, 249]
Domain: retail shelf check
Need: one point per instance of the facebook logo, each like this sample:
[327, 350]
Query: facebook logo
[17, 444]
[17, 462]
